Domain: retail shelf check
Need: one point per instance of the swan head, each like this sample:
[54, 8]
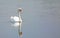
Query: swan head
[20, 10]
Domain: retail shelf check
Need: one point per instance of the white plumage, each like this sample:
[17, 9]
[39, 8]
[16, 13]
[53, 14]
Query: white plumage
[15, 20]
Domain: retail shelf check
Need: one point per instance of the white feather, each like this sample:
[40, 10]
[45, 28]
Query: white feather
[15, 19]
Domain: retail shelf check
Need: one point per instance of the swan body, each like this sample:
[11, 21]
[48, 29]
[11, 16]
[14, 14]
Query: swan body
[16, 19]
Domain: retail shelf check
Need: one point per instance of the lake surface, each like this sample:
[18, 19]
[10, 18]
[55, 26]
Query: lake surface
[41, 18]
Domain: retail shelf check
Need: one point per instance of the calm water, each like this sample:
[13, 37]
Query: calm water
[41, 18]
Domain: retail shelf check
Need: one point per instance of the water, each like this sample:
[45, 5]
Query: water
[41, 18]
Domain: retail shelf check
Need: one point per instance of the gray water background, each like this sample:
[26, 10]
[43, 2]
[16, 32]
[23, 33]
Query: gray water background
[41, 18]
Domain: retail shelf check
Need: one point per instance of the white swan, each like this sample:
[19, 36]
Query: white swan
[15, 20]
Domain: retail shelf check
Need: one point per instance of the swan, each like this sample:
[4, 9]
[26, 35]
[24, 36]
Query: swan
[16, 19]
